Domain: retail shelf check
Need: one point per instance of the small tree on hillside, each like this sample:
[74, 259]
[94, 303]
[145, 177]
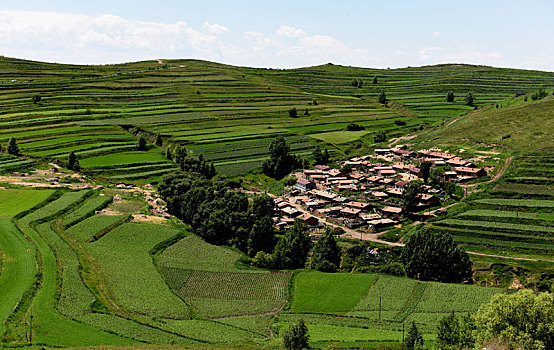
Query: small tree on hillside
[450, 96]
[293, 113]
[141, 143]
[36, 98]
[159, 141]
[448, 332]
[414, 339]
[375, 80]
[430, 255]
[326, 254]
[314, 102]
[469, 99]
[382, 98]
[296, 336]
[73, 162]
[13, 148]
[380, 137]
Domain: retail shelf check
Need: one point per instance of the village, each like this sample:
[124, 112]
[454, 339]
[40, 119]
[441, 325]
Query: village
[366, 192]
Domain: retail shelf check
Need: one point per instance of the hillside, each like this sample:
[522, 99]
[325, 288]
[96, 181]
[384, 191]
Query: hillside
[93, 258]
[228, 114]
[516, 126]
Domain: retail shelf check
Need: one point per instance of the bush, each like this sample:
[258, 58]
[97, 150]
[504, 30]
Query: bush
[293, 113]
[354, 127]
[380, 137]
[539, 95]
[296, 336]
[450, 97]
[469, 99]
[400, 122]
[382, 98]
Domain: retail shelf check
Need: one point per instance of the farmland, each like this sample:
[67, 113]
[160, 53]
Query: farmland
[98, 266]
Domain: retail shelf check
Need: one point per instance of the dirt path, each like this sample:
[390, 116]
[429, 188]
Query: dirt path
[497, 176]
[395, 140]
[502, 256]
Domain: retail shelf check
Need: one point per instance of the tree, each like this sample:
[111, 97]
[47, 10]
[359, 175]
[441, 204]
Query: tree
[180, 154]
[314, 102]
[434, 256]
[280, 161]
[292, 250]
[12, 148]
[469, 99]
[141, 143]
[36, 98]
[375, 80]
[326, 254]
[448, 333]
[539, 95]
[168, 154]
[523, 320]
[354, 127]
[414, 339]
[73, 162]
[293, 113]
[159, 141]
[410, 198]
[382, 98]
[354, 83]
[425, 168]
[261, 236]
[321, 155]
[380, 137]
[296, 336]
[306, 112]
[450, 96]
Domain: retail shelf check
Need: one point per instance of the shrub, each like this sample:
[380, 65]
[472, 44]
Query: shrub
[400, 122]
[293, 113]
[354, 127]
[296, 336]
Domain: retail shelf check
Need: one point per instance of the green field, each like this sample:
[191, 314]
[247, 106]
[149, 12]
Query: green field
[13, 202]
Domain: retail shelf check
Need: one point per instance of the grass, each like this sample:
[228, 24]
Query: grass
[325, 293]
[18, 268]
[86, 209]
[13, 202]
[531, 203]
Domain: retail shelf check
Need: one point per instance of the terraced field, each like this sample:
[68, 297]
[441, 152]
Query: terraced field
[229, 114]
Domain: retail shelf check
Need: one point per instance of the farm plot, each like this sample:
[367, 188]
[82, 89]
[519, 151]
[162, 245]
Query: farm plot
[529, 203]
[13, 202]
[140, 290]
[86, 209]
[219, 294]
[309, 295]
[95, 227]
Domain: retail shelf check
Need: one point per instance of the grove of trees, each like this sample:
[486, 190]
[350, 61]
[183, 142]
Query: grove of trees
[434, 256]
[321, 155]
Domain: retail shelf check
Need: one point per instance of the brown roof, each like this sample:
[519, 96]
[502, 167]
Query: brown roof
[396, 210]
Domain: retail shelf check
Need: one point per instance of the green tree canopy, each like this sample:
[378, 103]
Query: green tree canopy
[469, 99]
[296, 336]
[73, 162]
[425, 168]
[414, 339]
[13, 148]
[293, 113]
[292, 250]
[409, 199]
[374, 80]
[321, 155]
[280, 161]
[450, 96]
[382, 98]
[434, 256]
[36, 98]
[141, 143]
[326, 254]
[524, 320]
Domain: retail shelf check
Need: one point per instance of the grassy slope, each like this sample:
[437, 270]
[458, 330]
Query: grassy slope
[522, 128]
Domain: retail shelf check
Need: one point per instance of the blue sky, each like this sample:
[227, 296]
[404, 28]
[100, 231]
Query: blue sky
[282, 33]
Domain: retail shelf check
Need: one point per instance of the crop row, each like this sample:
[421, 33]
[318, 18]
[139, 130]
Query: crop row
[500, 226]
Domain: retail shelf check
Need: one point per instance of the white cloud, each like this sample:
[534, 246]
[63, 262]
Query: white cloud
[427, 52]
[290, 32]
[215, 29]
[437, 34]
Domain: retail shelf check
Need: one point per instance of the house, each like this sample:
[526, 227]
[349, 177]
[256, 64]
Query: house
[372, 180]
[392, 211]
[309, 220]
[470, 172]
[380, 223]
[459, 162]
[328, 196]
[342, 188]
[334, 173]
[357, 205]
[427, 199]
[291, 212]
[449, 176]
[382, 151]
[386, 172]
[369, 217]
[400, 185]
[379, 195]
[305, 185]
[350, 212]
[404, 154]
[387, 182]
[395, 192]
[322, 167]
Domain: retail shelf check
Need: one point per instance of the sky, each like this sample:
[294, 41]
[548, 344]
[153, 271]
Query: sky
[282, 33]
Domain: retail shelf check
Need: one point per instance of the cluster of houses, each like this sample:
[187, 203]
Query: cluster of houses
[369, 195]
